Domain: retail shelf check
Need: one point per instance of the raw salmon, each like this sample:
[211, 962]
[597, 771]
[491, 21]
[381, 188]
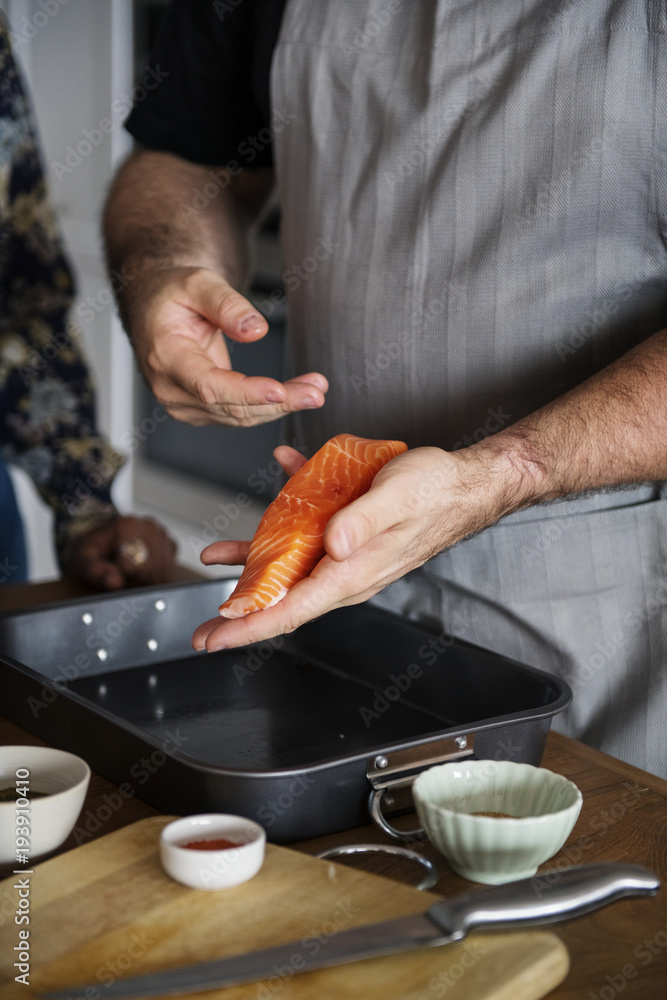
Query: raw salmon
[288, 542]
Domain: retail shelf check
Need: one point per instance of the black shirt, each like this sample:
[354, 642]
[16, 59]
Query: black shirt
[215, 100]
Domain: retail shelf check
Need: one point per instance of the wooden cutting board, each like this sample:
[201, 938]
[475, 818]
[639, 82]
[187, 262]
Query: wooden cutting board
[107, 910]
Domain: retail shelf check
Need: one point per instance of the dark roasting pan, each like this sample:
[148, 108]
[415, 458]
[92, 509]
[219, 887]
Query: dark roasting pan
[304, 733]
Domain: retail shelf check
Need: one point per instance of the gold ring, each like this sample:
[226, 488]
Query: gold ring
[135, 551]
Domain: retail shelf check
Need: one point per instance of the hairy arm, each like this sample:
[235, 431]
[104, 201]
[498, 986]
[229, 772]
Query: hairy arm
[609, 431]
[178, 240]
[163, 211]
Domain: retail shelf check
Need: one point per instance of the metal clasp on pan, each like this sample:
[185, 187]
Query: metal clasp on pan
[396, 770]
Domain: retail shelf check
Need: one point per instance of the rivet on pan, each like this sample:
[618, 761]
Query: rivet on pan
[152, 645]
[152, 680]
[461, 742]
[160, 606]
[381, 762]
[102, 654]
[87, 619]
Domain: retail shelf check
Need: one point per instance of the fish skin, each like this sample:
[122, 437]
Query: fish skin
[340, 472]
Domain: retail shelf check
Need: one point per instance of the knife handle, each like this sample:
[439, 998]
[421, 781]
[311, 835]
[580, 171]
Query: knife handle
[543, 899]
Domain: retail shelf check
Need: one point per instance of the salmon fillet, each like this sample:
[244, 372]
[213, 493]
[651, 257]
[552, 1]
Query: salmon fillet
[288, 542]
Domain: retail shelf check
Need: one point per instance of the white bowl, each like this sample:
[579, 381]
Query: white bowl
[39, 825]
[211, 870]
[543, 807]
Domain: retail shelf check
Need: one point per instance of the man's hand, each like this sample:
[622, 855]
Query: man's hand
[184, 357]
[123, 553]
[608, 431]
[182, 269]
[420, 503]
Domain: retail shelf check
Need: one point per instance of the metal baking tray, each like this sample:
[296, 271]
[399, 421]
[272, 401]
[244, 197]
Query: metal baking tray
[304, 733]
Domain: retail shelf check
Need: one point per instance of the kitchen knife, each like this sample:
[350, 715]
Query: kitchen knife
[542, 899]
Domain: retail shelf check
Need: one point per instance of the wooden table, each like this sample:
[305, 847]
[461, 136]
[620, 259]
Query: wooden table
[619, 951]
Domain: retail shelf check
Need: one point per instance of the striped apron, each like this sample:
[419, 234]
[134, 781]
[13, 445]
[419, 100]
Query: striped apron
[474, 197]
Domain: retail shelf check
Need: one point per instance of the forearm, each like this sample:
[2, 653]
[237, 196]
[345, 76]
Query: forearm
[609, 431]
[163, 212]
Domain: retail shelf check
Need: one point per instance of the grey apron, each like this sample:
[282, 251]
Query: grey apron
[475, 220]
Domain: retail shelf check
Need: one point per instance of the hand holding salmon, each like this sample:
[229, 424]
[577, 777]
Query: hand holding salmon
[332, 546]
[289, 541]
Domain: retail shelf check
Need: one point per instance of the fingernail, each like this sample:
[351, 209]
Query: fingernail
[274, 396]
[310, 402]
[251, 324]
[215, 649]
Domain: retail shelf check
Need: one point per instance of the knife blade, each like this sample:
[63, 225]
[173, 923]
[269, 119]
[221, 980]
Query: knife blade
[542, 899]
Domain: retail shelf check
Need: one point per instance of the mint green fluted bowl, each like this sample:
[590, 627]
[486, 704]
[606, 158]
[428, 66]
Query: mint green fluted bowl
[544, 807]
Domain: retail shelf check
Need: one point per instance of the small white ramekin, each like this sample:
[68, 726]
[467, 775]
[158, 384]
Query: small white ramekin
[217, 869]
[544, 807]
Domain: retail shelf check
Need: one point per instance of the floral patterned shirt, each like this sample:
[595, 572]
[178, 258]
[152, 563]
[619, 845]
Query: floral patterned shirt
[47, 399]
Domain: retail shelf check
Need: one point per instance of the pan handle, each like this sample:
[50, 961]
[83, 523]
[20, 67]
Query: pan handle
[396, 769]
[381, 821]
